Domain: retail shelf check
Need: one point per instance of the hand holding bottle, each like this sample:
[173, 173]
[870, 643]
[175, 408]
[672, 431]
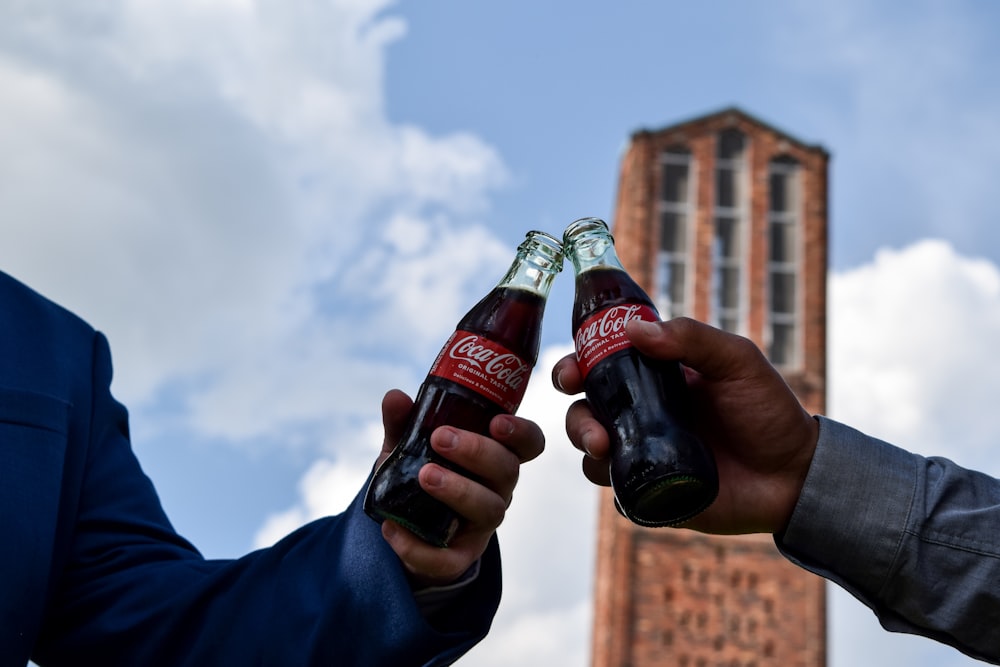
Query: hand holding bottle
[660, 473]
[481, 372]
[741, 408]
[493, 461]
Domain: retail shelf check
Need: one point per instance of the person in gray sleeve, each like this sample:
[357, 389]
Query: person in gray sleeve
[915, 539]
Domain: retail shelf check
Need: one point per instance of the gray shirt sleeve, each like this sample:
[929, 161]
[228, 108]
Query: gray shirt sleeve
[915, 539]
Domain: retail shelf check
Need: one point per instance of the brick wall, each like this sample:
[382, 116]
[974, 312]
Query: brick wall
[674, 597]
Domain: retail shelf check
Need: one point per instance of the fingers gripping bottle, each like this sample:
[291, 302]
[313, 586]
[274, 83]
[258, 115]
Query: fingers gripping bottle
[480, 372]
[661, 474]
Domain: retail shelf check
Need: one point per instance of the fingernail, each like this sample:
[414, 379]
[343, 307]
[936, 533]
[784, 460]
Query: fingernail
[448, 442]
[585, 441]
[646, 328]
[557, 378]
[389, 530]
[433, 477]
[505, 426]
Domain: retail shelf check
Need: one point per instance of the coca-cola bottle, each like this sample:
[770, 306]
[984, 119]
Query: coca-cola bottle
[661, 473]
[481, 371]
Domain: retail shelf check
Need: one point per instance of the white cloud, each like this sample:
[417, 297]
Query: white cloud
[548, 542]
[327, 488]
[912, 350]
[547, 539]
[216, 186]
[539, 638]
[913, 361]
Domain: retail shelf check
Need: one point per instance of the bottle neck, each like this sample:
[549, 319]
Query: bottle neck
[589, 245]
[539, 259]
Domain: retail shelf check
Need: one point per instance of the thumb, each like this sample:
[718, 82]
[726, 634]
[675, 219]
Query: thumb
[396, 407]
[711, 352]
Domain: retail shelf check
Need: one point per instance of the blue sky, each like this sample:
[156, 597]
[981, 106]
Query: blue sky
[277, 211]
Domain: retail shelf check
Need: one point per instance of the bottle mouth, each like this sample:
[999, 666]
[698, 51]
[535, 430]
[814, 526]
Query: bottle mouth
[546, 238]
[583, 226]
[587, 239]
[543, 246]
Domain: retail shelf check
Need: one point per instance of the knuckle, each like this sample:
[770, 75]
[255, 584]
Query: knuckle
[403, 547]
[683, 326]
[506, 479]
[494, 512]
[578, 416]
[479, 447]
[469, 447]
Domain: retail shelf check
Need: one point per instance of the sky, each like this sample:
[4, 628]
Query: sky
[277, 210]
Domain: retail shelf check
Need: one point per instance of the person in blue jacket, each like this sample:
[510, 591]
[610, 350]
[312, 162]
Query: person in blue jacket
[92, 573]
[915, 539]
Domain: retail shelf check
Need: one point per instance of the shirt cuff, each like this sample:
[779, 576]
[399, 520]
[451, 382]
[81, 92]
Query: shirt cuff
[850, 519]
[433, 599]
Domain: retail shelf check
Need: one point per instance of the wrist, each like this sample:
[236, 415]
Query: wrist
[798, 471]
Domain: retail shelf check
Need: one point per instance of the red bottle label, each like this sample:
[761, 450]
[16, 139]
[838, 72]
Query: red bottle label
[486, 367]
[603, 333]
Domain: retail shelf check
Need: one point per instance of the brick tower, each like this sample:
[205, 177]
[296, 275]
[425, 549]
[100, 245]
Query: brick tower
[722, 218]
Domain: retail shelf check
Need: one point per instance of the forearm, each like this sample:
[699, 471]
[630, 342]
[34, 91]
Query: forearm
[130, 591]
[362, 595]
[915, 539]
[330, 593]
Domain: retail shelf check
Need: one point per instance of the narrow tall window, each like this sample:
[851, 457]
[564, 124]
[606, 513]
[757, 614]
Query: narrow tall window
[783, 262]
[675, 217]
[730, 228]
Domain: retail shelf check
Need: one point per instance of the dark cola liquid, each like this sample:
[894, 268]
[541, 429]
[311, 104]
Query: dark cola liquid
[510, 317]
[661, 474]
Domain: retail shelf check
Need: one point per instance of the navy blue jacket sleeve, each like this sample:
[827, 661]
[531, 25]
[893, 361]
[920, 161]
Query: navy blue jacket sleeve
[130, 591]
[915, 539]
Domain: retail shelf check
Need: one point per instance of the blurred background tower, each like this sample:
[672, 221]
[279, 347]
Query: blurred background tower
[722, 218]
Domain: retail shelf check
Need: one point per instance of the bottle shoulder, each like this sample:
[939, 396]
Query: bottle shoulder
[601, 288]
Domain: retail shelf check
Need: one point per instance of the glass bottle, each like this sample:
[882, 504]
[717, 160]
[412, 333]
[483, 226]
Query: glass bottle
[481, 371]
[661, 474]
